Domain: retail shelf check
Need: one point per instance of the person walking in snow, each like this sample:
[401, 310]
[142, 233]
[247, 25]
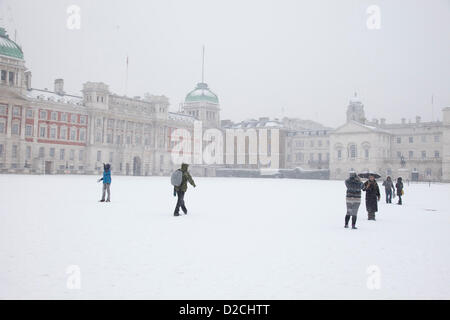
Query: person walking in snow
[353, 198]
[182, 188]
[389, 189]
[399, 186]
[372, 196]
[106, 182]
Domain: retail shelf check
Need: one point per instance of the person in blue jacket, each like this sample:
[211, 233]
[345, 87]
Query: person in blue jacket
[106, 182]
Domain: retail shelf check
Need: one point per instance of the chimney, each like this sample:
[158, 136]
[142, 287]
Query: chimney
[383, 121]
[403, 121]
[28, 80]
[418, 119]
[59, 86]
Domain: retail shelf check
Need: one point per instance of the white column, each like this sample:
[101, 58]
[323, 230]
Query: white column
[22, 124]
[35, 124]
[9, 123]
[104, 130]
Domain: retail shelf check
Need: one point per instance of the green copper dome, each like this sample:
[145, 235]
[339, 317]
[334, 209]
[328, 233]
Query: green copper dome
[202, 93]
[8, 47]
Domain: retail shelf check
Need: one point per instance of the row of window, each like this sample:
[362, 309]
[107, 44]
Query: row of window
[119, 139]
[52, 153]
[300, 157]
[423, 139]
[121, 124]
[52, 132]
[7, 77]
[42, 153]
[45, 115]
[423, 154]
[194, 113]
[352, 152]
[312, 143]
[59, 116]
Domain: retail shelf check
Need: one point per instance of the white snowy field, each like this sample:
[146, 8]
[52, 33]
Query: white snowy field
[242, 239]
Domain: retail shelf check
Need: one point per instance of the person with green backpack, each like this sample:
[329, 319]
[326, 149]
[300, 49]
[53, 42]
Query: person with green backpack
[179, 180]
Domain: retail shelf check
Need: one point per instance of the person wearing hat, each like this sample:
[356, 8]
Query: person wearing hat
[182, 188]
[399, 186]
[372, 196]
[106, 182]
[353, 198]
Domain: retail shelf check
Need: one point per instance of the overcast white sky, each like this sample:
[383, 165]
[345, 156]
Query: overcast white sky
[306, 57]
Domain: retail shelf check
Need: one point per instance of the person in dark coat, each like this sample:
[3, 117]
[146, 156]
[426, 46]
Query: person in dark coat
[372, 196]
[399, 186]
[353, 198]
[182, 188]
[106, 182]
[389, 189]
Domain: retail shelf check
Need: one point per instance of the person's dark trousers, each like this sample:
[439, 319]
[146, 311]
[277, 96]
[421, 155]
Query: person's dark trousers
[399, 199]
[180, 203]
[388, 196]
[347, 219]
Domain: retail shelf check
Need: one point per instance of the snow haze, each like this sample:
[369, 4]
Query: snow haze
[263, 58]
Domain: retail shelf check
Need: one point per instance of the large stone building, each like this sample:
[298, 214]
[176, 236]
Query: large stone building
[51, 131]
[414, 150]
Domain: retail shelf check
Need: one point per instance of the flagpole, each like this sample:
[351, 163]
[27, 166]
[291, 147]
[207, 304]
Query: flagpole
[126, 78]
[432, 108]
[203, 65]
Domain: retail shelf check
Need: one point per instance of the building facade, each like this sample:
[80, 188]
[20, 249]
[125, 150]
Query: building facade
[416, 151]
[51, 131]
[54, 132]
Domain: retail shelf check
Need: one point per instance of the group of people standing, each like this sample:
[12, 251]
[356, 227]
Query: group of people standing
[353, 197]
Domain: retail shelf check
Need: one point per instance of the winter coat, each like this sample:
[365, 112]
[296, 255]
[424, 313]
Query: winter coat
[372, 195]
[106, 176]
[354, 186]
[186, 178]
[388, 185]
[399, 186]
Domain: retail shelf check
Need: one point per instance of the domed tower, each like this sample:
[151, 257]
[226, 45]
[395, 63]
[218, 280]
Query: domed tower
[203, 104]
[355, 110]
[12, 64]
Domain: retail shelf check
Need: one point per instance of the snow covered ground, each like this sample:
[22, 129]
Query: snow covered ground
[242, 239]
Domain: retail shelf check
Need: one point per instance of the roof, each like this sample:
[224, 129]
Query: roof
[180, 117]
[8, 47]
[52, 96]
[253, 123]
[201, 93]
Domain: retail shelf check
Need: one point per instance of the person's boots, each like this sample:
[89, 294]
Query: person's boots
[354, 222]
[176, 214]
[103, 200]
[347, 218]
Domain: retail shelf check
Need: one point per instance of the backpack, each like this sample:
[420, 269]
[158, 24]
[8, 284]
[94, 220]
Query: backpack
[177, 178]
